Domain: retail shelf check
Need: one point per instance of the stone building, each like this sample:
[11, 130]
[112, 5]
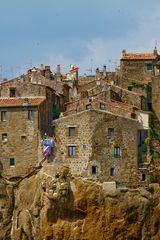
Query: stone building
[27, 109]
[21, 125]
[156, 96]
[107, 97]
[101, 145]
[136, 67]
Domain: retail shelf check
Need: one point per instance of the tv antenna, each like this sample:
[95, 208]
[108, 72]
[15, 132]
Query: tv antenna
[91, 68]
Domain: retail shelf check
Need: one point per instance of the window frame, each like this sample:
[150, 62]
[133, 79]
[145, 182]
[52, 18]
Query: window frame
[149, 67]
[111, 136]
[31, 115]
[12, 164]
[89, 106]
[3, 117]
[117, 152]
[102, 106]
[4, 137]
[112, 172]
[71, 150]
[11, 95]
[72, 134]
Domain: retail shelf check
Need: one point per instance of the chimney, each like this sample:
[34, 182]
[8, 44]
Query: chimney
[58, 68]
[123, 52]
[155, 51]
[97, 70]
[42, 66]
[58, 74]
[104, 70]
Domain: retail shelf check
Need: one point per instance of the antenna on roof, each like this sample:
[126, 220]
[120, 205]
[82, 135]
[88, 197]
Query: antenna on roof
[156, 43]
[90, 69]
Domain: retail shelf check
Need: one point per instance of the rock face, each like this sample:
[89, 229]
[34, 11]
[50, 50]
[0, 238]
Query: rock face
[67, 208]
[6, 209]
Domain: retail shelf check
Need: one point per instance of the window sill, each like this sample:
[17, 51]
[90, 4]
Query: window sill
[117, 156]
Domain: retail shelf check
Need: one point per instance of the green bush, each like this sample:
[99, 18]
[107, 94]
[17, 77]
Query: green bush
[150, 189]
[153, 179]
[135, 84]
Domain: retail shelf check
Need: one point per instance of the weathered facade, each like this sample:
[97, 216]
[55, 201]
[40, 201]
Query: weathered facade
[21, 125]
[99, 144]
[136, 67]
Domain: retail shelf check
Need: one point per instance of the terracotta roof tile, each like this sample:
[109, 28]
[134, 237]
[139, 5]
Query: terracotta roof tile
[139, 56]
[11, 102]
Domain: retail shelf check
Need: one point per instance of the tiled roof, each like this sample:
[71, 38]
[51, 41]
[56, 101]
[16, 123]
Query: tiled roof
[11, 102]
[138, 56]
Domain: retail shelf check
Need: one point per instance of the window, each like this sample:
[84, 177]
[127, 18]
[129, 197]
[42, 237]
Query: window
[94, 170]
[12, 162]
[3, 116]
[23, 137]
[111, 132]
[102, 106]
[71, 151]
[112, 172]
[71, 131]
[31, 115]
[117, 152]
[4, 137]
[133, 115]
[12, 92]
[143, 176]
[88, 106]
[149, 67]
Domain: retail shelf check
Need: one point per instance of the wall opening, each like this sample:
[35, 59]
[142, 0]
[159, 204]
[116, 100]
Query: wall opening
[94, 170]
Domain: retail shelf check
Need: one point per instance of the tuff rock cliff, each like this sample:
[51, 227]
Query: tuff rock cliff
[61, 207]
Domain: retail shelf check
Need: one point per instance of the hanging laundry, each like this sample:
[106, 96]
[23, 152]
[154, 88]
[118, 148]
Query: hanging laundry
[48, 144]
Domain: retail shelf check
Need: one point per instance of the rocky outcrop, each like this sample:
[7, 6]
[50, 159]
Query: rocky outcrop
[61, 207]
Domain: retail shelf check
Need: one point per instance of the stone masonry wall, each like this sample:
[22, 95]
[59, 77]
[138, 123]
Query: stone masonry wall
[131, 70]
[125, 137]
[82, 141]
[156, 96]
[22, 141]
[95, 148]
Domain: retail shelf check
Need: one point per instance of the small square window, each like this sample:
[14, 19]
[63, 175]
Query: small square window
[149, 67]
[23, 137]
[102, 106]
[71, 151]
[112, 172]
[31, 115]
[4, 137]
[71, 131]
[3, 116]
[117, 152]
[111, 132]
[12, 162]
[12, 92]
[88, 106]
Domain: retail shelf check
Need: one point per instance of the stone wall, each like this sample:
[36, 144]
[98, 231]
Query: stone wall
[134, 70]
[156, 96]
[95, 148]
[22, 141]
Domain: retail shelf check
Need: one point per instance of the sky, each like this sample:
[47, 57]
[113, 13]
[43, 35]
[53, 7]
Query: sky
[86, 33]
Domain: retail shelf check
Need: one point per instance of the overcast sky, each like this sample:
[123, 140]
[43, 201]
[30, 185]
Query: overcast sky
[81, 32]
